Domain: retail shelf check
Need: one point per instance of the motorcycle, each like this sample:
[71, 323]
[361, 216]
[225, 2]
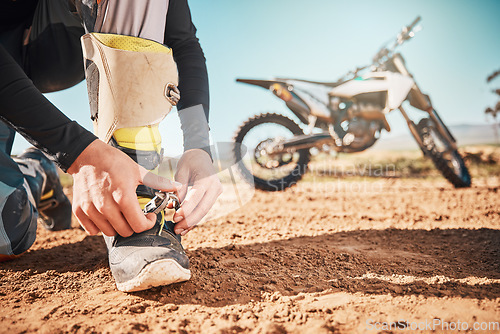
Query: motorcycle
[345, 116]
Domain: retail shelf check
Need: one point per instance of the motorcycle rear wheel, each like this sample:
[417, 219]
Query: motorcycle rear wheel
[272, 184]
[448, 161]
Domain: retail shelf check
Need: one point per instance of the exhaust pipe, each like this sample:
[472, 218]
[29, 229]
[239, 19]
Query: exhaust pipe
[303, 142]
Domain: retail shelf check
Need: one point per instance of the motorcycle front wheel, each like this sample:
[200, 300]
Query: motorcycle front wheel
[267, 170]
[446, 159]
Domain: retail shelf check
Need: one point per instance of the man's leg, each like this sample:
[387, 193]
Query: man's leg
[54, 207]
[41, 177]
[22, 188]
[129, 73]
[29, 187]
[18, 214]
[6, 138]
[35, 45]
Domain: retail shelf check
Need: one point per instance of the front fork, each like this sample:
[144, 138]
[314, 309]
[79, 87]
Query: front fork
[440, 127]
[412, 127]
[422, 103]
[426, 106]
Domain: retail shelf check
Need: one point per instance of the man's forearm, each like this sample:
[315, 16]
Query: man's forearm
[193, 76]
[25, 109]
[180, 35]
[195, 128]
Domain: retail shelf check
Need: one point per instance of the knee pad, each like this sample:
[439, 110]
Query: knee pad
[132, 82]
[19, 220]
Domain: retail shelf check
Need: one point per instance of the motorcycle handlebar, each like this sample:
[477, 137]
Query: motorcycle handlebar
[404, 35]
[414, 23]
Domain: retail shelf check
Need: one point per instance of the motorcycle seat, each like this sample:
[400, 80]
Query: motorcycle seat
[329, 84]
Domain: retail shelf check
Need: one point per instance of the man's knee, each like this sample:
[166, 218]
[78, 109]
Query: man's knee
[18, 221]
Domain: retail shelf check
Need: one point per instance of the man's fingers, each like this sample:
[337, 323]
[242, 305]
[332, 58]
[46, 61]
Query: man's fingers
[152, 218]
[129, 207]
[182, 177]
[86, 223]
[157, 182]
[99, 220]
[198, 213]
[113, 215]
[193, 197]
[182, 192]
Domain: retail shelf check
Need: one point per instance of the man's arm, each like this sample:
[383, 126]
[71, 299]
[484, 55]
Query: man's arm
[195, 166]
[25, 109]
[180, 35]
[103, 176]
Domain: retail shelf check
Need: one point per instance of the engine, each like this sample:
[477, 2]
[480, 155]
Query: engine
[360, 125]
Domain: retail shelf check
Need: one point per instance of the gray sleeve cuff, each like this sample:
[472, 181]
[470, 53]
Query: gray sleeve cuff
[195, 128]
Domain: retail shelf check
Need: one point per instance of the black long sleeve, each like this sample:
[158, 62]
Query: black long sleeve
[180, 35]
[26, 110]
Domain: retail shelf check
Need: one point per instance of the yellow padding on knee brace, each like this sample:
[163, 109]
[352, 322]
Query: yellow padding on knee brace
[143, 138]
[130, 43]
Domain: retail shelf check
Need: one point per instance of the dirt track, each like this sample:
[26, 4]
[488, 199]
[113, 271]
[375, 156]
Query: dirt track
[316, 258]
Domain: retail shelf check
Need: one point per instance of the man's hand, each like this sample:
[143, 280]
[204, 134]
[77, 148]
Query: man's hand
[104, 198]
[195, 168]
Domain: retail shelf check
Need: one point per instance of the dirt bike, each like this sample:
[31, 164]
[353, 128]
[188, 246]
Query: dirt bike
[345, 116]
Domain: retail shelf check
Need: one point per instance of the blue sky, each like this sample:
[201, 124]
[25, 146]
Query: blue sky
[450, 58]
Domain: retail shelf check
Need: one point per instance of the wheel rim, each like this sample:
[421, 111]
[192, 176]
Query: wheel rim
[263, 163]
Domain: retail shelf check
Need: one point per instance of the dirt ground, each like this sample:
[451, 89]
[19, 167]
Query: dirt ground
[341, 257]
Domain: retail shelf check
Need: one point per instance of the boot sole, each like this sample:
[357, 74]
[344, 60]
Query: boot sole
[158, 273]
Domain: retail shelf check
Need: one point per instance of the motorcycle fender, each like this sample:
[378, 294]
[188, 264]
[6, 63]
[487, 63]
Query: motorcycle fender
[399, 88]
[396, 85]
[295, 103]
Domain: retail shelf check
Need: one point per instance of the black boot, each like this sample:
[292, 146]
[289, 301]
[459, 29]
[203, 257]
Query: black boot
[151, 258]
[41, 174]
[148, 259]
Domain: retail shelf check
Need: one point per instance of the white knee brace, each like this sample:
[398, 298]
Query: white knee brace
[131, 82]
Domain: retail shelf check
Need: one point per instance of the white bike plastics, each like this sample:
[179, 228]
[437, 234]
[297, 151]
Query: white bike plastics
[351, 112]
